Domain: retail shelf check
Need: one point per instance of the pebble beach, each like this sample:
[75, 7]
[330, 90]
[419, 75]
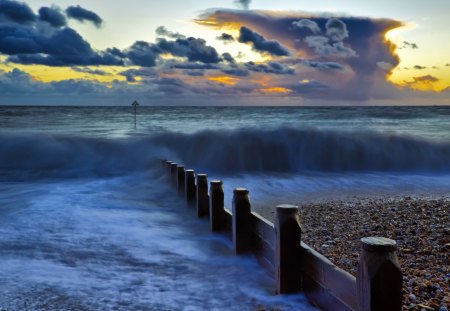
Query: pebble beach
[420, 226]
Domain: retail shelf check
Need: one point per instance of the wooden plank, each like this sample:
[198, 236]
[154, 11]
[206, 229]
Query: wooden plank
[263, 241]
[227, 222]
[264, 229]
[323, 280]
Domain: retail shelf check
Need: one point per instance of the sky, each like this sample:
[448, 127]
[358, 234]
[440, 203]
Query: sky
[247, 52]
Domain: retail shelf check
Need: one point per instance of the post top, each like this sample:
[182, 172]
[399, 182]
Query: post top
[180, 167]
[216, 182]
[378, 244]
[202, 176]
[287, 209]
[173, 164]
[189, 171]
[169, 162]
[240, 191]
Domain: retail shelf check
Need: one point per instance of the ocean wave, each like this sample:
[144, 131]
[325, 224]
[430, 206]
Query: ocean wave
[285, 150]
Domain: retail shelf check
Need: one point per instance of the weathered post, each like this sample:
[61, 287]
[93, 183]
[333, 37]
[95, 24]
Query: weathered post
[287, 250]
[379, 280]
[190, 187]
[174, 173]
[241, 220]
[168, 168]
[202, 195]
[216, 205]
[181, 179]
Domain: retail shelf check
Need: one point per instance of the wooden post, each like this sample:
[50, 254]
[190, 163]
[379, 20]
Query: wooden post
[241, 220]
[168, 168]
[181, 179]
[287, 250]
[190, 187]
[216, 205]
[379, 280]
[202, 195]
[174, 173]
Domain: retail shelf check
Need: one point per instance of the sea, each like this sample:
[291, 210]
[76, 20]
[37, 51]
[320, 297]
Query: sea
[88, 220]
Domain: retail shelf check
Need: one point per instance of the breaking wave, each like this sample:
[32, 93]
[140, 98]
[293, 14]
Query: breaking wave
[286, 150]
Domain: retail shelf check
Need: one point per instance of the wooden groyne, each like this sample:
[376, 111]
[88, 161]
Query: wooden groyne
[293, 265]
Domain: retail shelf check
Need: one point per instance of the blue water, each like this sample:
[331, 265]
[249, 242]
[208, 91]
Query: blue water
[87, 223]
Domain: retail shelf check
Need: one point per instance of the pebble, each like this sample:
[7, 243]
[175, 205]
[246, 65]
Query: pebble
[420, 227]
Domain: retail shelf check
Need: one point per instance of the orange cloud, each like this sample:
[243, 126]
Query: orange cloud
[224, 80]
[276, 90]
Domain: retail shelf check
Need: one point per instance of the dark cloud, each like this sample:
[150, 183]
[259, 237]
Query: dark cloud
[164, 32]
[419, 67]
[98, 72]
[194, 49]
[65, 47]
[336, 29]
[228, 58]
[426, 79]
[238, 72]
[410, 45]
[16, 12]
[226, 38]
[323, 65]
[143, 54]
[308, 24]
[132, 74]
[82, 15]
[245, 4]
[170, 85]
[260, 44]
[271, 67]
[192, 66]
[324, 48]
[53, 16]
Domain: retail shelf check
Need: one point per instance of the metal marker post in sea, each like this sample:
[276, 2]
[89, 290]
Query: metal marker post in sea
[135, 104]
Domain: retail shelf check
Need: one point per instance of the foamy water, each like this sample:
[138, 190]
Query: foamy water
[124, 243]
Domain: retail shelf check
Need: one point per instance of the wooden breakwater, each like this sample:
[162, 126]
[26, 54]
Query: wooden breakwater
[293, 265]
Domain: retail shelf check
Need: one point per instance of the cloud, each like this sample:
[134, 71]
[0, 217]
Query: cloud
[308, 24]
[228, 58]
[260, 44]
[362, 49]
[143, 54]
[194, 49]
[423, 83]
[419, 67]
[226, 38]
[98, 72]
[82, 15]
[16, 12]
[132, 74]
[323, 65]
[271, 67]
[64, 47]
[245, 4]
[164, 32]
[53, 16]
[238, 72]
[407, 44]
[336, 29]
[324, 48]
